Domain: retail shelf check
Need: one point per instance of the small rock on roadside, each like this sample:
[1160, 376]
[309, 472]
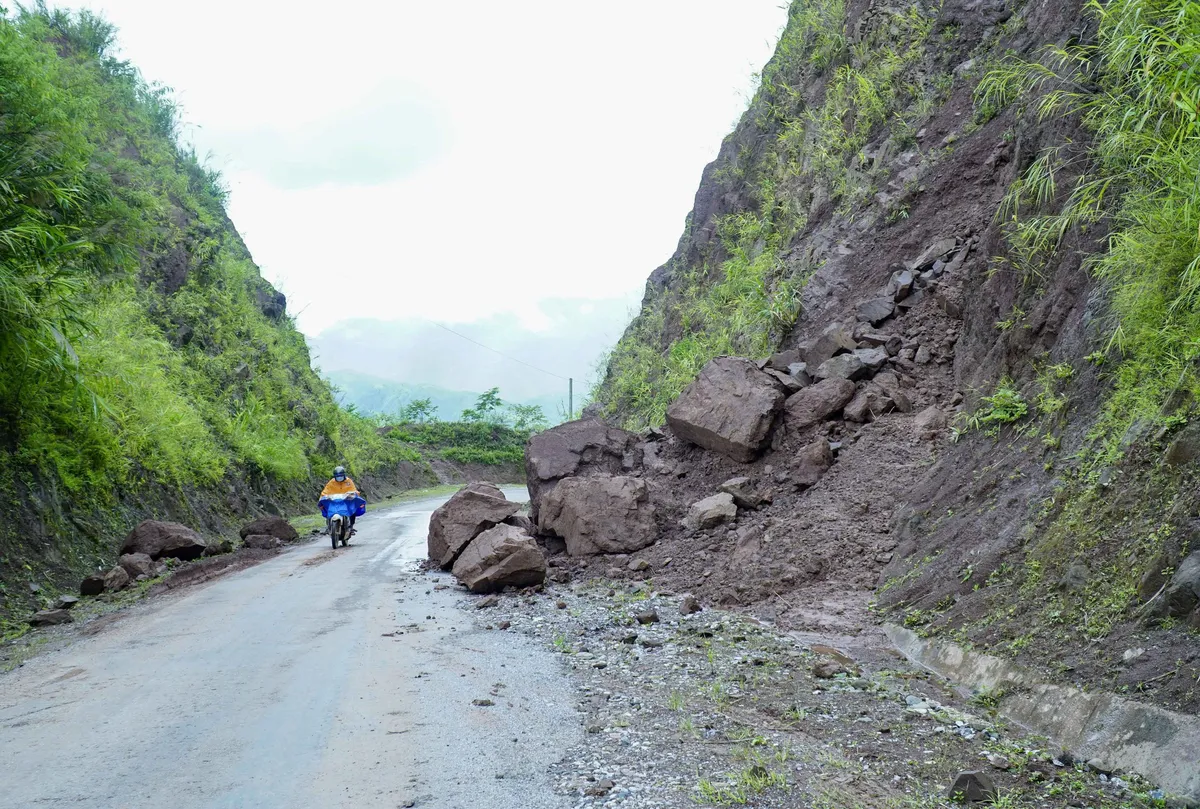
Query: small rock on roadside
[50, 618]
[973, 786]
[647, 617]
[65, 602]
[689, 605]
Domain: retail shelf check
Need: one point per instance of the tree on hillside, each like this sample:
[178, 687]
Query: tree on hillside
[487, 408]
[418, 411]
[528, 417]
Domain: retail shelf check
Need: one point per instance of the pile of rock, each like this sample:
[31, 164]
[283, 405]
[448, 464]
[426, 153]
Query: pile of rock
[478, 535]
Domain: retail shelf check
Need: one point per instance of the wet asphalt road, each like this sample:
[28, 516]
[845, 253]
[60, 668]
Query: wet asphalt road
[316, 679]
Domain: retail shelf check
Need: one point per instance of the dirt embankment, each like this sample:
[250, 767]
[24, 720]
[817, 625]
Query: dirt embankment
[989, 533]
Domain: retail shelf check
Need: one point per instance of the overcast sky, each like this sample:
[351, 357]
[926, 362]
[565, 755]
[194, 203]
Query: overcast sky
[451, 160]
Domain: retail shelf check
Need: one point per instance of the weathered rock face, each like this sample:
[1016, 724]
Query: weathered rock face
[729, 409]
[137, 564]
[271, 526]
[711, 511]
[504, 556]
[596, 514]
[817, 403]
[466, 515]
[584, 447]
[164, 539]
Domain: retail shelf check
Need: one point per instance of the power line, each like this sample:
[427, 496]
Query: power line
[494, 351]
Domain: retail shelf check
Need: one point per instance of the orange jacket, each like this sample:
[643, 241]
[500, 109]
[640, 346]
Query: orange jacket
[339, 487]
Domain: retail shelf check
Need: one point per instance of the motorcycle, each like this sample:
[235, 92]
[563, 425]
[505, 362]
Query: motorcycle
[338, 509]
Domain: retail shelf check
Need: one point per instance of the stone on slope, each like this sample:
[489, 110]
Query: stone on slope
[814, 404]
[711, 511]
[471, 511]
[164, 539]
[51, 618]
[872, 358]
[900, 285]
[137, 564]
[93, 585]
[271, 526]
[932, 253]
[868, 404]
[609, 514]
[744, 492]
[783, 359]
[116, 579]
[811, 463]
[729, 409]
[787, 382]
[876, 310]
[65, 602]
[836, 339]
[1182, 595]
[843, 366]
[576, 448]
[504, 556]
[894, 390]
[929, 422]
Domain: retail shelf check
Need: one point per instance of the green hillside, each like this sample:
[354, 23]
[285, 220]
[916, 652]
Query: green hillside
[145, 366]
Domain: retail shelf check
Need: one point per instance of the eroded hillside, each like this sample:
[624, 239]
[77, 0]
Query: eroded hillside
[1000, 197]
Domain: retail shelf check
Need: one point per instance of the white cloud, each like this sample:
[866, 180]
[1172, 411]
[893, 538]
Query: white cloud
[451, 160]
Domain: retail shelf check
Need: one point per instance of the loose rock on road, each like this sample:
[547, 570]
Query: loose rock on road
[317, 679]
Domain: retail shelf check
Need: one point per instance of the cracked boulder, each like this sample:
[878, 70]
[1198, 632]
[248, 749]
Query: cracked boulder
[160, 540]
[573, 449]
[504, 556]
[466, 515]
[729, 409]
[600, 514]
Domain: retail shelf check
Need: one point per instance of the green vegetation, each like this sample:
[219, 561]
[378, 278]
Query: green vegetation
[1137, 90]
[739, 292]
[1004, 405]
[140, 350]
[490, 433]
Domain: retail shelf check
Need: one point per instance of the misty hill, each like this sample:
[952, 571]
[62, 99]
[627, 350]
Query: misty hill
[564, 338]
[371, 395]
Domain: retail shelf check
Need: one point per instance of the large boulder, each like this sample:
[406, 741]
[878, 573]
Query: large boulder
[466, 515]
[504, 556]
[136, 564]
[596, 514]
[576, 448]
[817, 403]
[164, 539]
[271, 526]
[729, 409]
[711, 511]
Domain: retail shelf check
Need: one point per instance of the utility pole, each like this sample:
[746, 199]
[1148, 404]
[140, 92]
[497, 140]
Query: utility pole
[571, 399]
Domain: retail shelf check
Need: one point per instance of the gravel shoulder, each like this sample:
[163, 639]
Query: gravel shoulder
[715, 708]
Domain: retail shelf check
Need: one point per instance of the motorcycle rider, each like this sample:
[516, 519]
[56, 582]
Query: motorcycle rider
[340, 484]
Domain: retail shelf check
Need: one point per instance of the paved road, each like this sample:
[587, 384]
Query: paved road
[317, 679]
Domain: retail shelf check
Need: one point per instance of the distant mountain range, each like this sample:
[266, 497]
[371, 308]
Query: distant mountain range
[374, 395]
